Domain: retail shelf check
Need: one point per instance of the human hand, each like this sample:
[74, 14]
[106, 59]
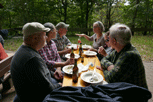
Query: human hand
[102, 51]
[80, 35]
[69, 61]
[60, 83]
[99, 67]
[68, 50]
[58, 74]
[110, 67]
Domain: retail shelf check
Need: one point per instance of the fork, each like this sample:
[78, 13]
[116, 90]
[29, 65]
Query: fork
[91, 79]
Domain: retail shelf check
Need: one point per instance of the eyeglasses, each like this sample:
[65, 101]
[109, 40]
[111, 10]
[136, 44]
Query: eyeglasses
[95, 26]
[107, 40]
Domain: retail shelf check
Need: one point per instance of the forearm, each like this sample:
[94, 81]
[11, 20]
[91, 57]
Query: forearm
[64, 51]
[106, 63]
[87, 37]
[59, 64]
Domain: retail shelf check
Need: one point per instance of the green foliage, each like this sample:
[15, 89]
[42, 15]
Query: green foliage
[77, 13]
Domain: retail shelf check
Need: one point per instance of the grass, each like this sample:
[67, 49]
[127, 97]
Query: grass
[144, 45]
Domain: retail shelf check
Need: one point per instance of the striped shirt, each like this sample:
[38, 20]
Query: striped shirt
[128, 67]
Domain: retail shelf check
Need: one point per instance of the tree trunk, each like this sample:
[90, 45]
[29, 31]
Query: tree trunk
[146, 22]
[87, 13]
[65, 11]
[134, 17]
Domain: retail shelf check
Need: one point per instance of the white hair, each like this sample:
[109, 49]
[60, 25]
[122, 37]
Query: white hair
[121, 33]
[100, 24]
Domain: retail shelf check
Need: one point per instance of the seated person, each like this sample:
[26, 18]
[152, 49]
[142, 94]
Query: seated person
[108, 50]
[124, 64]
[97, 38]
[50, 54]
[31, 78]
[2, 40]
[61, 40]
[3, 54]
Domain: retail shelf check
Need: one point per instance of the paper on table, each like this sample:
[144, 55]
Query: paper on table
[84, 68]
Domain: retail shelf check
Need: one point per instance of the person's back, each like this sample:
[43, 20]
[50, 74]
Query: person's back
[30, 75]
[28, 80]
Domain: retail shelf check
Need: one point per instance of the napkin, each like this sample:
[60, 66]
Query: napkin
[84, 68]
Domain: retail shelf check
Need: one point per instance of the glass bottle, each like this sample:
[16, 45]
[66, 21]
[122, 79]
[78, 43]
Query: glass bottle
[80, 50]
[79, 40]
[75, 72]
[72, 53]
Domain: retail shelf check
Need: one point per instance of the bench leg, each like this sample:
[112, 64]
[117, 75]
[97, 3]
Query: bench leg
[6, 85]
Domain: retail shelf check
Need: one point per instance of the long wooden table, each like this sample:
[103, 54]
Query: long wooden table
[67, 80]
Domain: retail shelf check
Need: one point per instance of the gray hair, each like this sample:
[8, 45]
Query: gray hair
[121, 33]
[100, 24]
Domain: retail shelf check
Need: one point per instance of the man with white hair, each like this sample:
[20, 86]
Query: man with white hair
[31, 77]
[125, 63]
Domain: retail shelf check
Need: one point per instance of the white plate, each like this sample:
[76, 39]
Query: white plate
[72, 45]
[86, 46]
[69, 69]
[90, 53]
[86, 76]
[76, 56]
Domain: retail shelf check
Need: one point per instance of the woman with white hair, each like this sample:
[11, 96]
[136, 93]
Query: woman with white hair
[97, 38]
[124, 64]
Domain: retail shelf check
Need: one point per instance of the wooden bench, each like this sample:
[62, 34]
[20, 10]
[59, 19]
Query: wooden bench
[4, 68]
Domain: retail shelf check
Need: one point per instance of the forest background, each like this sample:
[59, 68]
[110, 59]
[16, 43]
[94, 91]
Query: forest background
[81, 14]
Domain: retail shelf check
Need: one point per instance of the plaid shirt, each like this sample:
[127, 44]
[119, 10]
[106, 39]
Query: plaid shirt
[128, 67]
[61, 42]
[50, 55]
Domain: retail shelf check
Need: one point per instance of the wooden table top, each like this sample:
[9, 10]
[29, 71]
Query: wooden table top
[67, 80]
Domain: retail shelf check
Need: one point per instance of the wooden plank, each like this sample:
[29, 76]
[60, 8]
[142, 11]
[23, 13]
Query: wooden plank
[5, 65]
[67, 80]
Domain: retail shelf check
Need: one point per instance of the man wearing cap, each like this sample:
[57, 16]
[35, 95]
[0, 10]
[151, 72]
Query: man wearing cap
[31, 77]
[61, 40]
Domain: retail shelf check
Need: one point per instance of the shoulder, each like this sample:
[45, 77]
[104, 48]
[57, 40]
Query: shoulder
[25, 53]
[132, 54]
[65, 37]
[54, 40]
[94, 35]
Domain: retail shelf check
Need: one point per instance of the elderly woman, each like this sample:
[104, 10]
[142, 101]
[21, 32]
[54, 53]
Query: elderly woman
[50, 54]
[124, 64]
[97, 38]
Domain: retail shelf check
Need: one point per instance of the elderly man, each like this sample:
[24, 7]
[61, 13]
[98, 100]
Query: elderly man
[31, 77]
[124, 64]
[61, 40]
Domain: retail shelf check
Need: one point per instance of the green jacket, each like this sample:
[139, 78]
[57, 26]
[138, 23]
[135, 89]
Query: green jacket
[128, 67]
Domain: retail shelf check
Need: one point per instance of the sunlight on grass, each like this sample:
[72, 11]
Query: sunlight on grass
[13, 44]
[144, 45]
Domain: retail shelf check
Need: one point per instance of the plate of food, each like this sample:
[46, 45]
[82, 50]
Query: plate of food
[90, 53]
[97, 78]
[86, 46]
[76, 56]
[72, 45]
[68, 69]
